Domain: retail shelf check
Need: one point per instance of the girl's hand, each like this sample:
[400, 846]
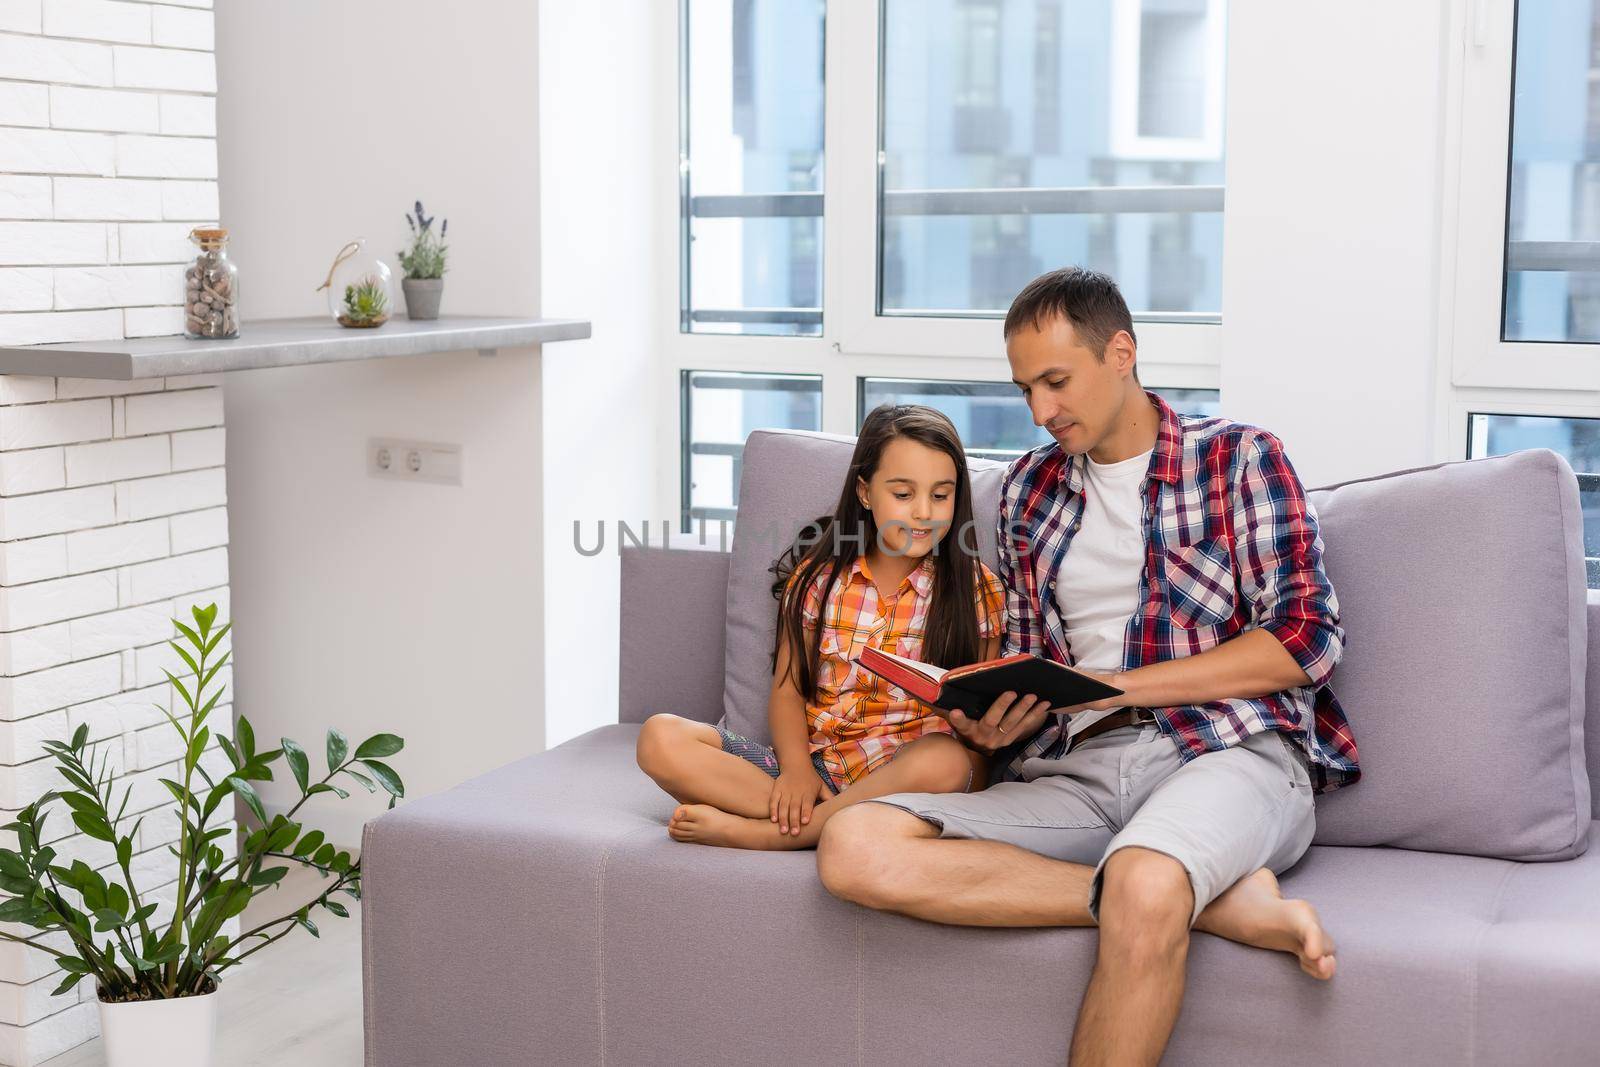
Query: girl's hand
[793, 795]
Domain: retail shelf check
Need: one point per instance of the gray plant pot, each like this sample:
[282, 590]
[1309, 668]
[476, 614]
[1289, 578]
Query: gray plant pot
[422, 297]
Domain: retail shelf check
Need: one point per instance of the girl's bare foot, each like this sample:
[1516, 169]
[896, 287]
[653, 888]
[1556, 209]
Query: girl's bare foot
[707, 825]
[1253, 912]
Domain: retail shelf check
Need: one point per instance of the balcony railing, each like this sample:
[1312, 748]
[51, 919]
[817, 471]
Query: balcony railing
[1084, 200]
[1577, 256]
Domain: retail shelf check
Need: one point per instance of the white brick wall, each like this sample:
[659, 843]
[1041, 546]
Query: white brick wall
[113, 515]
[119, 110]
[113, 520]
[107, 159]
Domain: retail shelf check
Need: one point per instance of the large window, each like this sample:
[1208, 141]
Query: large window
[1023, 135]
[1523, 315]
[861, 187]
[750, 166]
[720, 409]
[1552, 251]
[1522, 210]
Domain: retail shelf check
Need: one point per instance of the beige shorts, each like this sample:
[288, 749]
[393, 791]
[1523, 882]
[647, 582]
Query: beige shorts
[1222, 815]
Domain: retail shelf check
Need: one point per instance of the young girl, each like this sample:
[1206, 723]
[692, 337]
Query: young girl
[840, 733]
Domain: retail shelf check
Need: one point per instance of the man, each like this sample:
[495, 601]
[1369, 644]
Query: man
[1177, 559]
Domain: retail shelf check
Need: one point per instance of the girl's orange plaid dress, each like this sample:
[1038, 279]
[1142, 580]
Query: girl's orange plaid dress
[857, 719]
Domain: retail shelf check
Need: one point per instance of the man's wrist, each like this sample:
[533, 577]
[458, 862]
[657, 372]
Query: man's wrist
[1131, 682]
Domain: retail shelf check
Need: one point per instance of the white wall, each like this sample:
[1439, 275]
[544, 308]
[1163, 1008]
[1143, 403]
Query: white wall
[1331, 236]
[601, 405]
[365, 604]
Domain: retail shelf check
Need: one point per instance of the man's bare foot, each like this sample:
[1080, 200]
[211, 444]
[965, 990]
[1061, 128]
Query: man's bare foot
[707, 825]
[1253, 912]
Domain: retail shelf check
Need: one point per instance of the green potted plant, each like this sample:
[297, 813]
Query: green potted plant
[157, 979]
[424, 266]
[366, 302]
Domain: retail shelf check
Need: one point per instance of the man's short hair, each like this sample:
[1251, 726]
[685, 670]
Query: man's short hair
[1088, 299]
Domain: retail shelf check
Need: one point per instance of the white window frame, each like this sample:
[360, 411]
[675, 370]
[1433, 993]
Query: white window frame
[1175, 351]
[850, 244]
[1478, 373]
[1127, 30]
[1557, 403]
[1477, 143]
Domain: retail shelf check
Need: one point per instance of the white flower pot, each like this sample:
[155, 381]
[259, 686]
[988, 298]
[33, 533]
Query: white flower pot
[180, 1032]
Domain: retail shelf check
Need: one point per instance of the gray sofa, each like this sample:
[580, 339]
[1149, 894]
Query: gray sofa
[541, 914]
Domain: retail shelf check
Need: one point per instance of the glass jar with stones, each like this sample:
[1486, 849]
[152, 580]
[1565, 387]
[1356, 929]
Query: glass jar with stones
[211, 288]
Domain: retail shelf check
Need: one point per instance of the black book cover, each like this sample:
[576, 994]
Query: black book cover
[1062, 686]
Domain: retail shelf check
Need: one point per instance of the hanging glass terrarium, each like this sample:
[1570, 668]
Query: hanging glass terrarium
[359, 287]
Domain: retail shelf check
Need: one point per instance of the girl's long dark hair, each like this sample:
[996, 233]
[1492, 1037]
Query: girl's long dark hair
[831, 544]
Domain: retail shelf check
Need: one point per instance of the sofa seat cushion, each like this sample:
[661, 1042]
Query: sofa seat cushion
[541, 913]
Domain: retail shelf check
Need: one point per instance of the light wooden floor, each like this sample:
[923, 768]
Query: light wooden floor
[298, 1001]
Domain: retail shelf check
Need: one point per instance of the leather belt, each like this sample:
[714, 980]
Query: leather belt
[1125, 717]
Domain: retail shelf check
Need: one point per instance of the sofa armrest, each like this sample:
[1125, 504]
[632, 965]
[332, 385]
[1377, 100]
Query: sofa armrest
[674, 603]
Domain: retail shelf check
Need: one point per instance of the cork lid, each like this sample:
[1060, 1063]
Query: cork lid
[208, 237]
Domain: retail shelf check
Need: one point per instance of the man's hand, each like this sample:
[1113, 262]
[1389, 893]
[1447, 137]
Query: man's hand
[793, 795]
[1011, 717]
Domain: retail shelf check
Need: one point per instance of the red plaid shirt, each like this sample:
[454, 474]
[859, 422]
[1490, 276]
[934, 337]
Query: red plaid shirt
[1231, 543]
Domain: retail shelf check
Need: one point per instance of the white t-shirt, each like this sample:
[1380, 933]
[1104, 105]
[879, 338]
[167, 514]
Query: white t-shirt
[1098, 587]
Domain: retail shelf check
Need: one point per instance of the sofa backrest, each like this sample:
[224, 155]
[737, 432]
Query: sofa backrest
[1462, 593]
[1463, 598]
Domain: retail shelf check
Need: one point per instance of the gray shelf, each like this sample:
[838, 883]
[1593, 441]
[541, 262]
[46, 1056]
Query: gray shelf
[281, 343]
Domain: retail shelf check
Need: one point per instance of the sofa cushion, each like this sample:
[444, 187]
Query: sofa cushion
[1536, 961]
[1462, 593]
[541, 914]
[790, 478]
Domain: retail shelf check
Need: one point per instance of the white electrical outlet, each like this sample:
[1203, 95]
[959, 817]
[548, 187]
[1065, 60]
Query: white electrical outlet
[414, 461]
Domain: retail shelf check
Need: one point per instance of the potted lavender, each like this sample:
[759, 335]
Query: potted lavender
[424, 266]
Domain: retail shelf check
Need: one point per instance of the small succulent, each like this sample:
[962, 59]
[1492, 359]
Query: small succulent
[366, 301]
[426, 256]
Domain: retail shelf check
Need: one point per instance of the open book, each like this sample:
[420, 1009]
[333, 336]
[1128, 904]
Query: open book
[973, 688]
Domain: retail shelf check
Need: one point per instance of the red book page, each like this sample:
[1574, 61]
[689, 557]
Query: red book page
[911, 680]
